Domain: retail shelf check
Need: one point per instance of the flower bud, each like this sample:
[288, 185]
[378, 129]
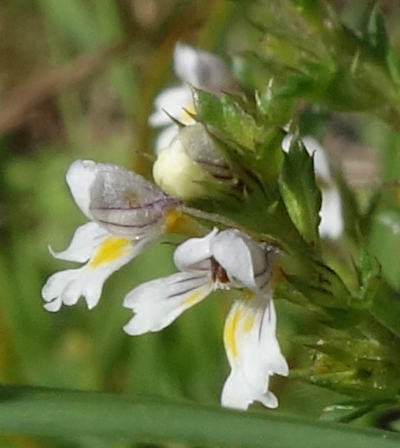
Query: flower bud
[192, 158]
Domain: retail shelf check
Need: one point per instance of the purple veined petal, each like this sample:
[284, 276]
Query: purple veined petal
[202, 149]
[253, 353]
[231, 250]
[119, 200]
[68, 286]
[244, 260]
[159, 302]
[194, 252]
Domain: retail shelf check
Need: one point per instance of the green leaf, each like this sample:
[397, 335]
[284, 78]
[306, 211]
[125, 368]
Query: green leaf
[385, 307]
[277, 108]
[385, 244]
[300, 193]
[376, 35]
[227, 115]
[350, 410]
[72, 414]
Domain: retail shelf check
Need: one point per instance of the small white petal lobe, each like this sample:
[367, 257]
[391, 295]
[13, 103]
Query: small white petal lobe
[159, 302]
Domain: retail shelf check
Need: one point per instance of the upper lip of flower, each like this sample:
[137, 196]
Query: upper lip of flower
[127, 214]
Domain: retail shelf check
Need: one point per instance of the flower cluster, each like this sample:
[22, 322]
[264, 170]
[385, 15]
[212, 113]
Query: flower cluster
[127, 214]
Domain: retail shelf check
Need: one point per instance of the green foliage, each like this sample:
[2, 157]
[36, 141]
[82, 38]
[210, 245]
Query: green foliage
[74, 414]
[342, 330]
[299, 191]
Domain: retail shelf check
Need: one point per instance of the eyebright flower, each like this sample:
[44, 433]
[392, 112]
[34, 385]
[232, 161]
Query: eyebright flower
[221, 260]
[192, 158]
[331, 225]
[127, 214]
[195, 68]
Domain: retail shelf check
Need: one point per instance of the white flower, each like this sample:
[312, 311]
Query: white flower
[192, 158]
[331, 225]
[221, 260]
[196, 68]
[127, 213]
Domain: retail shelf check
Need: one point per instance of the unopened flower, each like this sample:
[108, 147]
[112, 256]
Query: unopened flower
[126, 214]
[331, 225]
[221, 260]
[195, 68]
[192, 158]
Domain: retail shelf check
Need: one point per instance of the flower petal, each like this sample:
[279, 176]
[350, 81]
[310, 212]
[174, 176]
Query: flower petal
[84, 242]
[159, 302]
[172, 101]
[80, 178]
[253, 353]
[201, 69]
[66, 287]
[243, 259]
[331, 225]
[237, 394]
[119, 200]
[192, 253]
[165, 138]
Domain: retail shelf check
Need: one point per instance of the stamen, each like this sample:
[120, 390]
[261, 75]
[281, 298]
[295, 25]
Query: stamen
[218, 273]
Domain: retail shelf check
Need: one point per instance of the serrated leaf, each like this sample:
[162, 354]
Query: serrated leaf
[226, 114]
[300, 192]
[276, 107]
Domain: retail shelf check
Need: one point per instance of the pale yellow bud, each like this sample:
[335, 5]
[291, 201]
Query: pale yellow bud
[177, 174]
[192, 158]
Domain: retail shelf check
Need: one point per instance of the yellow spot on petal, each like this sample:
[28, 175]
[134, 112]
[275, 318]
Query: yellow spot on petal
[247, 294]
[193, 298]
[175, 221]
[111, 249]
[172, 221]
[229, 332]
[187, 113]
[248, 323]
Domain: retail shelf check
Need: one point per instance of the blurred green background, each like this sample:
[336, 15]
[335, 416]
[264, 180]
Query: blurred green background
[77, 80]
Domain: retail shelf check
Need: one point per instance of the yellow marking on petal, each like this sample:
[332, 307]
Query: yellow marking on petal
[111, 249]
[194, 298]
[172, 220]
[230, 330]
[248, 323]
[175, 221]
[187, 112]
[247, 294]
